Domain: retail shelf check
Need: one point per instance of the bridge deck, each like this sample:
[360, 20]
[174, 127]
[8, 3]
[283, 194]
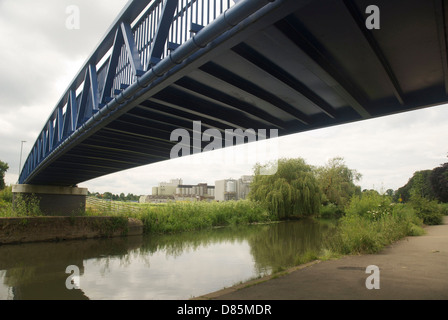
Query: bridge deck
[290, 65]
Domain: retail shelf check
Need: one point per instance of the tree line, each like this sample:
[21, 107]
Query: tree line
[431, 184]
[299, 189]
[115, 197]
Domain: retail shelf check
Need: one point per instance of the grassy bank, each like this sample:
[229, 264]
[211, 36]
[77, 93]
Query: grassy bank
[187, 216]
[371, 222]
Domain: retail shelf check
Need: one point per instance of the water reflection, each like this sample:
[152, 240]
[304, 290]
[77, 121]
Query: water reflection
[154, 266]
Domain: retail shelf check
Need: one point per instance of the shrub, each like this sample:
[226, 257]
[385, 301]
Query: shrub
[27, 206]
[443, 208]
[6, 194]
[331, 211]
[428, 210]
[371, 222]
[370, 205]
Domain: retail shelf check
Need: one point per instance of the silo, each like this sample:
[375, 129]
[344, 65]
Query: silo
[231, 186]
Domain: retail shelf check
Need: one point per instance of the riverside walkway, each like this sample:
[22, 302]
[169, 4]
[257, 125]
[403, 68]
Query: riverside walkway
[412, 268]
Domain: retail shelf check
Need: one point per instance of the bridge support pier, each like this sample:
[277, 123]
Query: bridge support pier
[53, 200]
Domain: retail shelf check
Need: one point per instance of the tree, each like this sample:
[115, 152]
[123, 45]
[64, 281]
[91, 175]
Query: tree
[3, 168]
[291, 191]
[390, 192]
[419, 184]
[337, 182]
[439, 182]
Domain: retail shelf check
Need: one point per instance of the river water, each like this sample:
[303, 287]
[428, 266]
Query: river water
[155, 267]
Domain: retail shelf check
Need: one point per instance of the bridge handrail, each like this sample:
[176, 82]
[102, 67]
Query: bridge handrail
[141, 43]
[138, 16]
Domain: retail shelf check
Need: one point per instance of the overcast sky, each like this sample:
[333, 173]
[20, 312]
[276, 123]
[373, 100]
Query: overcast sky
[39, 56]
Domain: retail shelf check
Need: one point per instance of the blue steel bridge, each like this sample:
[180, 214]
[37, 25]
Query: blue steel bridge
[291, 65]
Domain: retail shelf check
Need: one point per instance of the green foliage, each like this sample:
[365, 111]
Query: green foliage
[428, 210]
[291, 191]
[371, 222]
[331, 211]
[6, 194]
[23, 206]
[3, 168]
[439, 182]
[187, 216]
[337, 182]
[370, 205]
[443, 208]
[431, 184]
[115, 197]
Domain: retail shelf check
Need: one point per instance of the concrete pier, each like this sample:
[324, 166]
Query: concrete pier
[54, 200]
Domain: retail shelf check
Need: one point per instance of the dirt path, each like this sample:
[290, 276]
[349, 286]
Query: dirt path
[412, 268]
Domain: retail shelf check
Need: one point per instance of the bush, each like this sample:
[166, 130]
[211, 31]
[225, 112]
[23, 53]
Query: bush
[22, 207]
[370, 205]
[331, 211]
[371, 222]
[443, 208]
[6, 194]
[428, 210]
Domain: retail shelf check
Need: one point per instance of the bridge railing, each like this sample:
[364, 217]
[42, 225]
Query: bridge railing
[143, 35]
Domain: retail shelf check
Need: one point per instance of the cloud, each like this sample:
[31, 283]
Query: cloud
[40, 56]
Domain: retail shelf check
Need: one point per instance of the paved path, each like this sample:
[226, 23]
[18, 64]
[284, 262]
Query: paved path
[413, 268]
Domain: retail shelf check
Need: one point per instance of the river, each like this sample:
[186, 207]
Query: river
[154, 267]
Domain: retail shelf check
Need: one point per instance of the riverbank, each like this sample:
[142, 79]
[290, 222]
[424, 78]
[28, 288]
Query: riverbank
[38, 229]
[411, 268]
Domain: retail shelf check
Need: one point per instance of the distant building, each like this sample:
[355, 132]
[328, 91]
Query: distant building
[166, 188]
[223, 190]
[231, 189]
[175, 190]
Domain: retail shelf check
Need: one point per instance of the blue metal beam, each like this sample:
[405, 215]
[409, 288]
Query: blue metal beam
[71, 114]
[131, 49]
[161, 36]
[112, 67]
[90, 90]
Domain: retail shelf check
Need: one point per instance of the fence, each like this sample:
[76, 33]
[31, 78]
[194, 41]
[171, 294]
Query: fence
[102, 206]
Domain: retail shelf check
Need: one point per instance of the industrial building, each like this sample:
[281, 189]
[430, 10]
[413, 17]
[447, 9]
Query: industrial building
[202, 189]
[232, 189]
[175, 190]
[166, 188]
[223, 190]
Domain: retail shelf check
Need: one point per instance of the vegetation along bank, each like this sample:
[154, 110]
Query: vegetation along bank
[364, 220]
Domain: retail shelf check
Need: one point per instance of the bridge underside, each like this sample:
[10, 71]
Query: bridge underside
[297, 67]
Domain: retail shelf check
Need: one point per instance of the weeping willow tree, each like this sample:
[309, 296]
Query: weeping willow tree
[291, 189]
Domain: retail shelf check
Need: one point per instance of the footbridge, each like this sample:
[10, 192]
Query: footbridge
[290, 65]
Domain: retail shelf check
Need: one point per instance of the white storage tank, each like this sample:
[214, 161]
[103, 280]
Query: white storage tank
[231, 186]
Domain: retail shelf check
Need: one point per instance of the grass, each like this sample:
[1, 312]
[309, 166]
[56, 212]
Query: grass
[23, 207]
[372, 222]
[187, 216]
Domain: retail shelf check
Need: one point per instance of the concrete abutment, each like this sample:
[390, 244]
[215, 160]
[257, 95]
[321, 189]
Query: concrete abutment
[53, 200]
